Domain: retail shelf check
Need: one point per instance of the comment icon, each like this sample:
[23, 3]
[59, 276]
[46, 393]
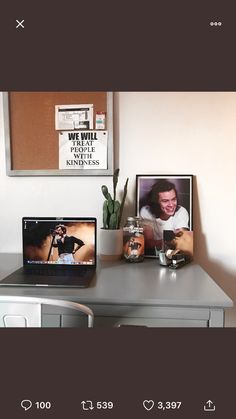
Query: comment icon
[26, 404]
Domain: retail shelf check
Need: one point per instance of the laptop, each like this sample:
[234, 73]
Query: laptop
[57, 252]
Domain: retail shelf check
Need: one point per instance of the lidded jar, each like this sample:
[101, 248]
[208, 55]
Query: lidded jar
[133, 240]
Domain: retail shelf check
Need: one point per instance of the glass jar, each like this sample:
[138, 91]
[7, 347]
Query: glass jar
[133, 240]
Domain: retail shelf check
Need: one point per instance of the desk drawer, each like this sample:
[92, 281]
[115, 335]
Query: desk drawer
[106, 321]
[116, 322]
[155, 312]
[115, 315]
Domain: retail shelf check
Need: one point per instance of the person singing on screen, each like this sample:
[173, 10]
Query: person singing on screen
[65, 244]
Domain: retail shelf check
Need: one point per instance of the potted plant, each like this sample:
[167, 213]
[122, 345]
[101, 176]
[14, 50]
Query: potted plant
[111, 236]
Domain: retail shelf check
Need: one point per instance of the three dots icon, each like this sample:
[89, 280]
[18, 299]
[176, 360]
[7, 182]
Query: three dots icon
[215, 23]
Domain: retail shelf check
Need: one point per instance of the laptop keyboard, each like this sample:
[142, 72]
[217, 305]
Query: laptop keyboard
[55, 272]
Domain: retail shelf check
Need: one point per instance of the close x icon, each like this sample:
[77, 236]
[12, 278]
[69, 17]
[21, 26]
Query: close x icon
[20, 24]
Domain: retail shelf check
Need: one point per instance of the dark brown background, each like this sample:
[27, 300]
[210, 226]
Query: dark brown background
[124, 45]
[125, 365]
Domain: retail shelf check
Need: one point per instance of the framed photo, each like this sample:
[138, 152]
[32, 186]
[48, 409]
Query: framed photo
[164, 202]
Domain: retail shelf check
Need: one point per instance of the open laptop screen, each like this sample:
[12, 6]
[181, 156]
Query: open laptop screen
[59, 241]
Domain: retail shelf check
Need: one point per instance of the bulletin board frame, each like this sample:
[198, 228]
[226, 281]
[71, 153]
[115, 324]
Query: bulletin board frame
[10, 138]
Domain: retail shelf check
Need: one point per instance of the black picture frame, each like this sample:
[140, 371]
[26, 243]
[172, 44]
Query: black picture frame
[183, 212]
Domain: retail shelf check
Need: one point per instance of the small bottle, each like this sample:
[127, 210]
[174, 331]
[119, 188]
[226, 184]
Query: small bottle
[133, 240]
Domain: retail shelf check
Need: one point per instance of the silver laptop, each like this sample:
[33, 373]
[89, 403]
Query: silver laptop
[56, 252]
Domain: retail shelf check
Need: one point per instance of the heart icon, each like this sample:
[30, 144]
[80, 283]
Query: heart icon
[148, 404]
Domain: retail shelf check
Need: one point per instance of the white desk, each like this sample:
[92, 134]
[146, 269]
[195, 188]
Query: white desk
[136, 294]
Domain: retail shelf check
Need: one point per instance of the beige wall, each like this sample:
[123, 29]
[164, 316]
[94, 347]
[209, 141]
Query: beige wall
[192, 133]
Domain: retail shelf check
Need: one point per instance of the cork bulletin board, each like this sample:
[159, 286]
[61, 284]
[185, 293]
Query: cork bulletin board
[32, 141]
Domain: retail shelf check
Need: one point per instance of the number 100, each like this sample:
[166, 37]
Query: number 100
[43, 405]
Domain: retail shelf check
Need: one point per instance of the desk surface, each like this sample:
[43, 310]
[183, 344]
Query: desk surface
[144, 283]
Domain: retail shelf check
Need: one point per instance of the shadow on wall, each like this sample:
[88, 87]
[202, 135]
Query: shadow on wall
[224, 278]
[130, 203]
[116, 130]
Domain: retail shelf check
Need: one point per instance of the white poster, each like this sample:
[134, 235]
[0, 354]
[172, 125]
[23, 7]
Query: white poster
[68, 117]
[83, 150]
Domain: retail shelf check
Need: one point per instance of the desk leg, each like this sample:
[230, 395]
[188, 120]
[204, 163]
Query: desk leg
[216, 318]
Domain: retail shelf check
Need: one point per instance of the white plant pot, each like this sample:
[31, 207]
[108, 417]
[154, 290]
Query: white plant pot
[111, 244]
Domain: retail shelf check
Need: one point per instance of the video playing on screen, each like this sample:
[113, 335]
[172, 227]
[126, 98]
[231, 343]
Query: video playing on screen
[69, 242]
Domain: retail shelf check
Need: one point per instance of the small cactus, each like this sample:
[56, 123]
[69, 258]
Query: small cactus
[113, 209]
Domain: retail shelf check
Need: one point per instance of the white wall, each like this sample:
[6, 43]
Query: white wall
[179, 133]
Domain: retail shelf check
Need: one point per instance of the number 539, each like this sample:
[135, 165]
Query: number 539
[104, 405]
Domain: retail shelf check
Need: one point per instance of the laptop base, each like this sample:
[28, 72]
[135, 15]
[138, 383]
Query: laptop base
[21, 277]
